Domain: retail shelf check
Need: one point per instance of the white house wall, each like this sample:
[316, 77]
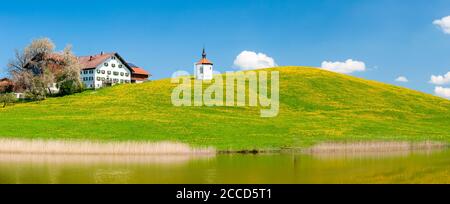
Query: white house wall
[87, 77]
[103, 72]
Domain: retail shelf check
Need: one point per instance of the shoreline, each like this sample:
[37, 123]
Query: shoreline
[351, 147]
[75, 147]
[374, 146]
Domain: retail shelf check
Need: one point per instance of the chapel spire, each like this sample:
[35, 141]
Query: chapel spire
[204, 53]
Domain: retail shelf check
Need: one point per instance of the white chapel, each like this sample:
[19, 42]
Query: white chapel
[204, 68]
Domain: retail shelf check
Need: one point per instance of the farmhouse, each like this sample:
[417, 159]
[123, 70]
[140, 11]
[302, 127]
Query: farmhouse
[107, 69]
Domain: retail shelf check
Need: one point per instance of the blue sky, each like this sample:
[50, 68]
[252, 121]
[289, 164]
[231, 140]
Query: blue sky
[393, 38]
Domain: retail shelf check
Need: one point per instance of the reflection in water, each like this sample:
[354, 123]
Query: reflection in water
[404, 167]
[68, 159]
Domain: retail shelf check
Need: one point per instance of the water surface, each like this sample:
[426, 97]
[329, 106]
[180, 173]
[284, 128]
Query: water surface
[392, 167]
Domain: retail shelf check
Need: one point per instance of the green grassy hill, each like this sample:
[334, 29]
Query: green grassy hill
[315, 106]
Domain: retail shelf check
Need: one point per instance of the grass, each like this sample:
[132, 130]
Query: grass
[315, 106]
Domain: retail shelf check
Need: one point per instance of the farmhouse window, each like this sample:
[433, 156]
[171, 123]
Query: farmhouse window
[121, 81]
[121, 73]
[120, 66]
[126, 74]
[98, 78]
[109, 72]
[103, 71]
[98, 71]
[201, 70]
[106, 64]
[113, 65]
[116, 73]
[85, 72]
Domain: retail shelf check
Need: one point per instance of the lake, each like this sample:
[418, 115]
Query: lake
[392, 167]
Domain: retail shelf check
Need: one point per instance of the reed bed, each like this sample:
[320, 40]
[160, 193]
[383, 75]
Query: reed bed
[377, 147]
[25, 146]
[372, 155]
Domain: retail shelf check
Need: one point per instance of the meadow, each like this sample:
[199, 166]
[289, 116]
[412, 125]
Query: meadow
[316, 106]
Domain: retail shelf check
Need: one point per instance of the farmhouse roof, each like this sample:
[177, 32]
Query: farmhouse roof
[5, 79]
[92, 61]
[55, 57]
[138, 70]
[89, 62]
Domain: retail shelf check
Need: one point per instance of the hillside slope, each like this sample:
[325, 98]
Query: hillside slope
[315, 106]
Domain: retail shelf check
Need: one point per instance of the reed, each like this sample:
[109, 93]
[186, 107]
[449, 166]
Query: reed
[36, 146]
[381, 146]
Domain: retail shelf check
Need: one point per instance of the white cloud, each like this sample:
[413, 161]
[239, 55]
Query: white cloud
[440, 80]
[444, 24]
[443, 92]
[247, 60]
[401, 79]
[346, 67]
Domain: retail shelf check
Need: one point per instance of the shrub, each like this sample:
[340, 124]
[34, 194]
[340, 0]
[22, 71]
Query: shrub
[7, 98]
[68, 87]
[37, 91]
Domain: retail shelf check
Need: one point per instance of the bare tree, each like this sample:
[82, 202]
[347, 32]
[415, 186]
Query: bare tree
[38, 67]
[18, 63]
[32, 57]
[28, 68]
